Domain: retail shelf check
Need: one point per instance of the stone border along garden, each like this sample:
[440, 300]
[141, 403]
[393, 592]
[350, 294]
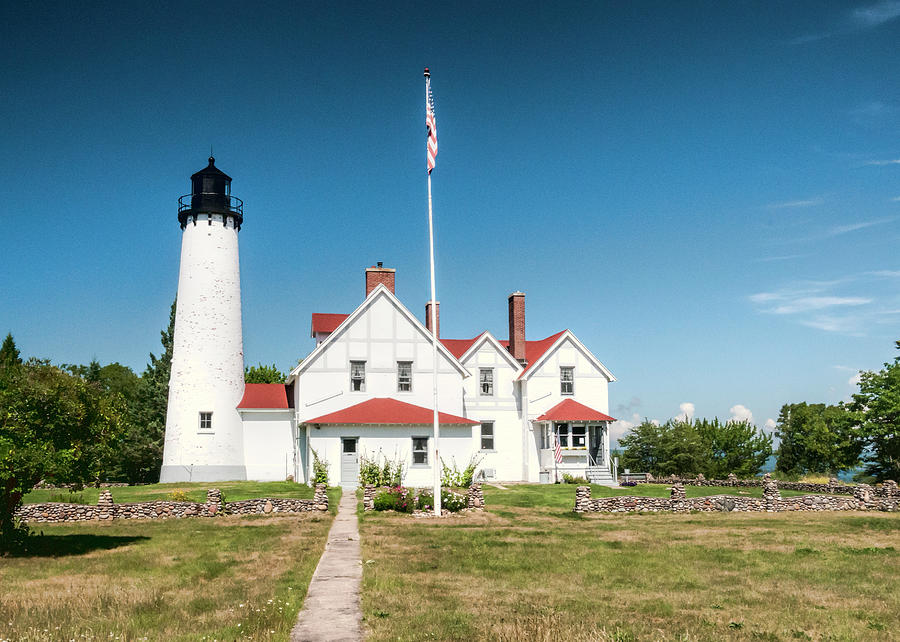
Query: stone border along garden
[474, 497]
[885, 497]
[107, 509]
[833, 487]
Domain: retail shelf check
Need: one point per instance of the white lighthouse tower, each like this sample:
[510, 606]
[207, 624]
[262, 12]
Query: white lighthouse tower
[204, 434]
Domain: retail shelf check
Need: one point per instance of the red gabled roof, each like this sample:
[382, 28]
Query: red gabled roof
[382, 410]
[571, 410]
[322, 322]
[534, 350]
[265, 395]
[458, 347]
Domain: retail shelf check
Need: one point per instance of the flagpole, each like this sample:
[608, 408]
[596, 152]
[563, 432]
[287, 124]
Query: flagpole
[434, 361]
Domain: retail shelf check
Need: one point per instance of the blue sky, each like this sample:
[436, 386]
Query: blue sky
[707, 195]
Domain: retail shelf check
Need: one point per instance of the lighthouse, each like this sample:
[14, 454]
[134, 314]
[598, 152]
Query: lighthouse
[204, 433]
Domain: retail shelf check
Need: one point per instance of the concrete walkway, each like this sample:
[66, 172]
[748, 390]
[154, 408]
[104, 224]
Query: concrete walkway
[331, 610]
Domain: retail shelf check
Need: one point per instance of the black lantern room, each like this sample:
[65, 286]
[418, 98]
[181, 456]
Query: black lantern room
[210, 194]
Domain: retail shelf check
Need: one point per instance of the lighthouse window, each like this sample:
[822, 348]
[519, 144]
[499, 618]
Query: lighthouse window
[205, 421]
[358, 376]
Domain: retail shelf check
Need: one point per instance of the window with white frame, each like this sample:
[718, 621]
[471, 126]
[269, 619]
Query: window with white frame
[571, 435]
[486, 381]
[579, 437]
[562, 433]
[487, 435]
[206, 421]
[567, 380]
[420, 451]
[404, 376]
[357, 376]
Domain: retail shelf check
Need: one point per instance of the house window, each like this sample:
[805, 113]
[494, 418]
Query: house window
[579, 439]
[487, 435]
[205, 421]
[567, 380]
[357, 376]
[420, 451]
[562, 431]
[404, 376]
[486, 379]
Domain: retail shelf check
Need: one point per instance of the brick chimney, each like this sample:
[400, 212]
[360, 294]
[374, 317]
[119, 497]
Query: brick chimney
[437, 318]
[517, 326]
[379, 274]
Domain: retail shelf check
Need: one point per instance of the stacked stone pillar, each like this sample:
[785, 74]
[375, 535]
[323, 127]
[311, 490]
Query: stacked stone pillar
[582, 499]
[106, 507]
[771, 495]
[320, 497]
[475, 497]
[214, 504]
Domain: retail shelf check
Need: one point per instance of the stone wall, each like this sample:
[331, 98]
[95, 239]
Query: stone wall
[474, 496]
[833, 487]
[107, 509]
[864, 498]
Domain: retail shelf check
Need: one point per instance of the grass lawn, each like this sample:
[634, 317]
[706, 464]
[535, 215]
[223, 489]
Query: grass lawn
[530, 569]
[232, 577]
[196, 491]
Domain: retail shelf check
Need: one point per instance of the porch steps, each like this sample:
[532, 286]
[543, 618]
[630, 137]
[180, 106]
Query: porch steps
[600, 475]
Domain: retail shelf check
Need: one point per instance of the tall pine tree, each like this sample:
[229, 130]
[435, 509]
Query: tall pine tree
[142, 450]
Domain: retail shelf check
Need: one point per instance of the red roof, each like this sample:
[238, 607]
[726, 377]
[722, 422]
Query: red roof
[534, 350]
[458, 347]
[265, 395]
[383, 410]
[571, 410]
[326, 322]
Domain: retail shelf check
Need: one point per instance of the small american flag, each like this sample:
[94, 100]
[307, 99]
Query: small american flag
[557, 451]
[430, 124]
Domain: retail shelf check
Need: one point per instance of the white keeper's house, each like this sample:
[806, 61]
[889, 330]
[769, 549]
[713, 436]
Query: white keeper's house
[366, 387]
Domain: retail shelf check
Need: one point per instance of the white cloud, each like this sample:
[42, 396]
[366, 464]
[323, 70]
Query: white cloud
[854, 380]
[783, 257]
[837, 230]
[896, 199]
[807, 304]
[741, 413]
[809, 202]
[881, 163]
[687, 411]
[655, 422]
[876, 14]
[770, 424]
[620, 428]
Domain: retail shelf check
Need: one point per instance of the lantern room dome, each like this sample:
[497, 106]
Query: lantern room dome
[210, 195]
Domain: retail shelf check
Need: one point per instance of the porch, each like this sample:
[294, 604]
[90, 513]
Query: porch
[582, 435]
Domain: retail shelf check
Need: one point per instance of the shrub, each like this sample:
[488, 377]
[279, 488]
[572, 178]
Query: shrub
[320, 469]
[178, 495]
[628, 483]
[397, 498]
[453, 502]
[459, 478]
[424, 500]
[390, 473]
[570, 479]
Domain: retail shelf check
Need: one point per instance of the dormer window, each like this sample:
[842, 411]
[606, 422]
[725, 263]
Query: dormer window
[486, 382]
[357, 376]
[567, 380]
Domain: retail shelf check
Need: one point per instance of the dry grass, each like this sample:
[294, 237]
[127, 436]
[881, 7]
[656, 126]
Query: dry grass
[542, 573]
[229, 578]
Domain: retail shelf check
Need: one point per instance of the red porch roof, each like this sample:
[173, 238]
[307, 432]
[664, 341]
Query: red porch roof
[571, 410]
[383, 410]
[265, 395]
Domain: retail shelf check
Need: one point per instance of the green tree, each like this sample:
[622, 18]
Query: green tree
[816, 438]
[53, 426]
[877, 408]
[674, 447]
[142, 448]
[263, 374]
[9, 354]
[733, 447]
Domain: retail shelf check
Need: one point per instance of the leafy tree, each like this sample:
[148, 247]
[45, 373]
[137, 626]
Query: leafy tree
[877, 408]
[733, 447]
[263, 374]
[816, 438]
[685, 447]
[53, 426]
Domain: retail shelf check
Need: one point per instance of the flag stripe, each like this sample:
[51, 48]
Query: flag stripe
[431, 146]
[557, 451]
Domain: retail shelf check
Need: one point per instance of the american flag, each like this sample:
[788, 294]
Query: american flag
[557, 451]
[430, 124]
